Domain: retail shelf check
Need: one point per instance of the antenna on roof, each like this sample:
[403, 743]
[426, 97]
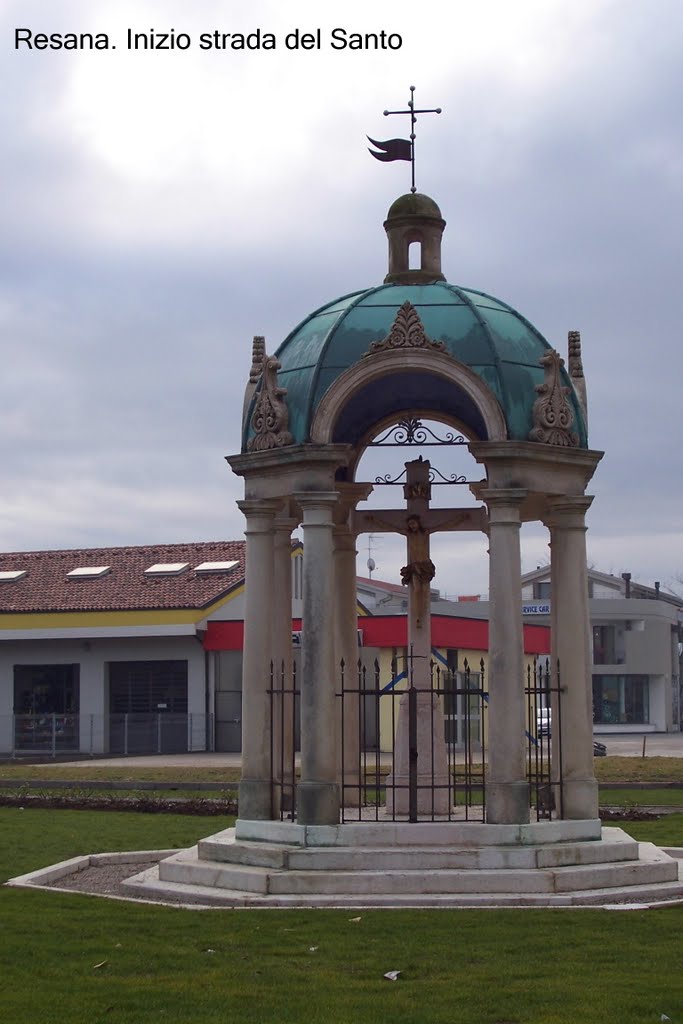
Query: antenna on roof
[371, 561]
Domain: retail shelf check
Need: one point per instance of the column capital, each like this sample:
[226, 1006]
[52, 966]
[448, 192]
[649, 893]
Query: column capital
[503, 503]
[344, 538]
[568, 512]
[285, 525]
[260, 512]
[316, 502]
[349, 496]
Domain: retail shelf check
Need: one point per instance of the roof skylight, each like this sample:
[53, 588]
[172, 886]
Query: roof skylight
[88, 572]
[10, 575]
[166, 569]
[216, 566]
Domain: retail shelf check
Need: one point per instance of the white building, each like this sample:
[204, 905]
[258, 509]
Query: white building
[636, 633]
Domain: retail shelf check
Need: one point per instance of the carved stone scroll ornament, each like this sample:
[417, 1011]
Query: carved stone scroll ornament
[270, 419]
[553, 415]
[407, 331]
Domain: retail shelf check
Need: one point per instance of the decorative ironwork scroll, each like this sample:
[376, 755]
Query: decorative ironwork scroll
[271, 415]
[553, 415]
[452, 478]
[407, 331]
[411, 430]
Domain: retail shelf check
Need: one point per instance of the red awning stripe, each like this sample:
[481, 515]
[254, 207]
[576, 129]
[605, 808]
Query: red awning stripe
[392, 631]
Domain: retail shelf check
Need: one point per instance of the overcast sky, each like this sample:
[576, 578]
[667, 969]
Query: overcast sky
[160, 208]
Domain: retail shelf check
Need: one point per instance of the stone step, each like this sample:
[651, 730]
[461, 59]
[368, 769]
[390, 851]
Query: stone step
[627, 897]
[187, 868]
[404, 834]
[224, 848]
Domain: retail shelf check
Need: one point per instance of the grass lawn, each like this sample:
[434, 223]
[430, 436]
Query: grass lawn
[607, 769]
[72, 959]
[92, 770]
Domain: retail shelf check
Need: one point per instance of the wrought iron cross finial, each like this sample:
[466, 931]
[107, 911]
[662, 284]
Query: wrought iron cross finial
[413, 120]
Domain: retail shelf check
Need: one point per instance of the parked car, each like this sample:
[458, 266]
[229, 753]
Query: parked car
[544, 728]
[543, 721]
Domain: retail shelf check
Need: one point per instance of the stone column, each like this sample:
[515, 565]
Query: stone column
[507, 790]
[346, 649]
[318, 791]
[283, 705]
[571, 647]
[255, 787]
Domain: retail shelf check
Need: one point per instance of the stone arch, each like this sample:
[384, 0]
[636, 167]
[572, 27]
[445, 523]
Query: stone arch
[438, 384]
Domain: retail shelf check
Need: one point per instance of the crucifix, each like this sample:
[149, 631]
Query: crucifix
[420, 746]
[419, 779]
[402, 149]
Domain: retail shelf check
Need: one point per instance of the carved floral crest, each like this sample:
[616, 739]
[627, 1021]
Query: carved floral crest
[407, 331]
[553, 415]
[270, 419]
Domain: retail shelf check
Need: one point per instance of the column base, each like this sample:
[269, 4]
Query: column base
[580, 799]
[255, 800]
[317, 803]
[507, 803]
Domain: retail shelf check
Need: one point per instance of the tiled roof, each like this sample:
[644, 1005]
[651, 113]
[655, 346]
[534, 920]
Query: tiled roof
[45, 587]
[394, 588]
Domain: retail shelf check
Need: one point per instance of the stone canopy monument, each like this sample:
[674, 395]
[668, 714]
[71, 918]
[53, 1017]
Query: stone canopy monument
[415, 346]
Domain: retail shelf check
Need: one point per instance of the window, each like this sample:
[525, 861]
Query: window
[542, 590]
[46, 707]
[166, 569]
[88, 572]
[46, 689]
[621, 700]
[608, 644]
[207, 567]
[452, 659]
[12, 575]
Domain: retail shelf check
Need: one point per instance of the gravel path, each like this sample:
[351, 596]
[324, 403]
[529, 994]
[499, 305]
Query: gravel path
[107, 879]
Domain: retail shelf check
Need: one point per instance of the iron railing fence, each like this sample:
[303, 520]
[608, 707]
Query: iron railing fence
[544, 739]
[432, 788]
[56, 735]
[284, 729]
[369, 732]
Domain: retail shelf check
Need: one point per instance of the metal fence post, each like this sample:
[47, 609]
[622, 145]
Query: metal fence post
[412, 753]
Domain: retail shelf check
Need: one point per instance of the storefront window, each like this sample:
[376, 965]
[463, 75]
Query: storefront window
[621, 700]
[46, 707]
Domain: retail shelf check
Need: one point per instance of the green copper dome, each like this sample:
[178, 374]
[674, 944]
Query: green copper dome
[486, 335]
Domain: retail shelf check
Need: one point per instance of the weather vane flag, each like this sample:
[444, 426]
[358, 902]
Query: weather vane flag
[402, 149]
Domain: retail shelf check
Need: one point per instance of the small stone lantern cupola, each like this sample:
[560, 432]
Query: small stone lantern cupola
[414, 218]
